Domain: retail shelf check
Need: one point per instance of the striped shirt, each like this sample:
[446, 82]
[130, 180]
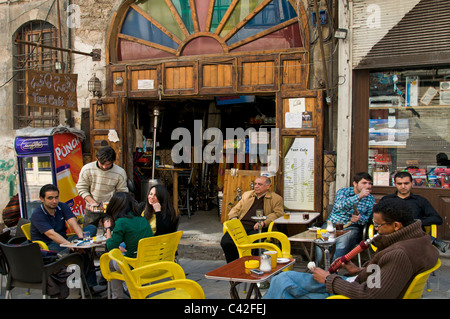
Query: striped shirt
[343, 206]
[100, 184]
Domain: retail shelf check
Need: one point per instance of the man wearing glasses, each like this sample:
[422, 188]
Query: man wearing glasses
[259, 198]
[396, 262]
[421, 207]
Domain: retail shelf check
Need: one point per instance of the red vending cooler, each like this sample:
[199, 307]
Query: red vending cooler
[51, 159]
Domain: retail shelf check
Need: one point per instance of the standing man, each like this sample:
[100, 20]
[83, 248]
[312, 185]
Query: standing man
[420, 206]
[259, 198]
[48, 220]
[99, 180]
[352, 207]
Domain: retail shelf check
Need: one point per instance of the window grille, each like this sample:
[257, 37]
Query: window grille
[27, 57]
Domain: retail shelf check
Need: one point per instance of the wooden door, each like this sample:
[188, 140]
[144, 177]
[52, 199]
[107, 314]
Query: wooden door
[108, 127]
[300, 182]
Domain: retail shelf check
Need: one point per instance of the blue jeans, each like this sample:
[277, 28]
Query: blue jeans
[295, 285]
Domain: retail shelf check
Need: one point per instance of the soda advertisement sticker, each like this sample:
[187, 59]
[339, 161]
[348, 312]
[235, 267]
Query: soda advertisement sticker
[68, 163]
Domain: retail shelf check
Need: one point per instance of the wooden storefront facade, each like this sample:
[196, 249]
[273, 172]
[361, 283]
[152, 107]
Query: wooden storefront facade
[254, 64]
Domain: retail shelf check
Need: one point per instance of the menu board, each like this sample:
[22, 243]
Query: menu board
[299, 173]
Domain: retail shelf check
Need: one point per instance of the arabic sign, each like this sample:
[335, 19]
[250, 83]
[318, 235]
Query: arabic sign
[47, 89]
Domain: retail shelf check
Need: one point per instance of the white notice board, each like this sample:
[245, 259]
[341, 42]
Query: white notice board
[299, 174]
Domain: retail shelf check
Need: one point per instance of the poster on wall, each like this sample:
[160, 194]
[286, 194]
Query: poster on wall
[68, 164]
[299, 173]
[293, 118]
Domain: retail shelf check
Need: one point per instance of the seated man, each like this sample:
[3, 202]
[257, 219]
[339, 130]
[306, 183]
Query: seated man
[259, 198]
[421, 207]
[387, 275]
[48, 220]
[347, 199]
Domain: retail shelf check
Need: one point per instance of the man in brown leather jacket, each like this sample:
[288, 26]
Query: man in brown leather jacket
[259, 198]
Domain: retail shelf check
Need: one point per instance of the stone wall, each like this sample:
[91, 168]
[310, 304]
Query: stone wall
[84, 25]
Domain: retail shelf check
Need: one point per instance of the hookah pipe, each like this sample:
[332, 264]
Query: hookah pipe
[363, 245]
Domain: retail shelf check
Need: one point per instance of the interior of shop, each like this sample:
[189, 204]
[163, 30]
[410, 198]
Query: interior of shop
[204, 180]
[408, 125]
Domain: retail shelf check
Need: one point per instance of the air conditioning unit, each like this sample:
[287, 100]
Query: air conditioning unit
[444, 93]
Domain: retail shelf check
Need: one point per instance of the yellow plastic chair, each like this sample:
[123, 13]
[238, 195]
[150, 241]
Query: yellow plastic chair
[26, 230]
[416, 287]
[178, 288]
[109, 275]
[371, 233]
[150, 250]
[155, 249]
[269, 229]
[338, 297]
[432, 230]
[245, 243]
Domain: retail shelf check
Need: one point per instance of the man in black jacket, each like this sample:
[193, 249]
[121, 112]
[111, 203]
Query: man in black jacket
[421, 207]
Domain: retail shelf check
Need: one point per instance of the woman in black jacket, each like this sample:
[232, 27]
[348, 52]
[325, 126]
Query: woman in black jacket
[159, 210]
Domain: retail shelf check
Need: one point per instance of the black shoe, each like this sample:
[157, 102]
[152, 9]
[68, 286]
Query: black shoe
[102, 281]
[441, 245]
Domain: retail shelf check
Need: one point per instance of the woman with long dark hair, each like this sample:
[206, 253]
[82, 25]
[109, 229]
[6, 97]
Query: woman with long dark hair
[124, 227]
[159, 211]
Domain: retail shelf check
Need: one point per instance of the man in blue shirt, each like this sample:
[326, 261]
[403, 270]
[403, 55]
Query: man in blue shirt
[48, 220]
[347, 199]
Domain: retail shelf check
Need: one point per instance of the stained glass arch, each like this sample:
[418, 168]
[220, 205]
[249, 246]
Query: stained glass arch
[149, 29]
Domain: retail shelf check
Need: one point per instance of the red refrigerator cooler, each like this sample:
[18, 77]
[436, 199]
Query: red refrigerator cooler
[52, 159]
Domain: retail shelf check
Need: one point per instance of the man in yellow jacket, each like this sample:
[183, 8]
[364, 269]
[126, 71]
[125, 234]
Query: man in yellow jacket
[259, 198]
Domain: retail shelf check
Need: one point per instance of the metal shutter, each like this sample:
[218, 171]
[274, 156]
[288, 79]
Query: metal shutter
[408, 33]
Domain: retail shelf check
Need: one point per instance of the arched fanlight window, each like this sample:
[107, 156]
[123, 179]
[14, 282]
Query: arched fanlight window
[170, 28]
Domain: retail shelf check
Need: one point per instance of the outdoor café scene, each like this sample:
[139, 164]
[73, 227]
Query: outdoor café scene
[94, 235]
[224, 150]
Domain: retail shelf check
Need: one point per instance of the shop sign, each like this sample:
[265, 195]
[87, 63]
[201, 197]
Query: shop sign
[47, 89]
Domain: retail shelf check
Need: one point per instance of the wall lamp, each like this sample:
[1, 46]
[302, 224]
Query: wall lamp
[95, 86]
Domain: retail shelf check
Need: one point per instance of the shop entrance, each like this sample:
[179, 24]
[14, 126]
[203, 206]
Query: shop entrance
[205, 180]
